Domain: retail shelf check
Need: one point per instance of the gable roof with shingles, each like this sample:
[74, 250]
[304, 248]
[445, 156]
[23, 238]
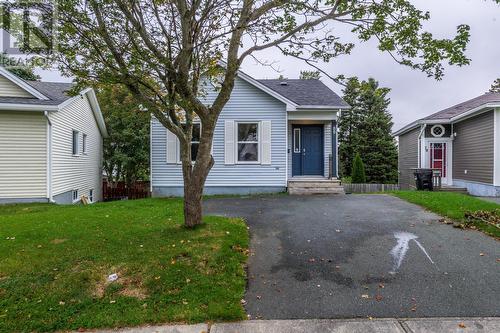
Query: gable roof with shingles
[309, 92]
[457, 110]
[56, 92]
[466, 106]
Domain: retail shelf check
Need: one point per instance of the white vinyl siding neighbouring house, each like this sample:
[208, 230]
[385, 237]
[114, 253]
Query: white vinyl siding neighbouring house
[23, 155]
[81, 172]
[10, 89]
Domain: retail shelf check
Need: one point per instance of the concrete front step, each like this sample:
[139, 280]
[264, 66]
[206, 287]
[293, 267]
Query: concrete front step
[454, 189]
[310, 191]
[315, 186]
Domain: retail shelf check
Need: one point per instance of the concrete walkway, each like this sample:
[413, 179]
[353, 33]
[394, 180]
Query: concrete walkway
[414, 325]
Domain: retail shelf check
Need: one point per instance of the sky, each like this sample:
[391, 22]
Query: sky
[413, 95]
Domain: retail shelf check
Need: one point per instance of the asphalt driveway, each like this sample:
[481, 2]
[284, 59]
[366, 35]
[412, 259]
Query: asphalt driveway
[361, 255]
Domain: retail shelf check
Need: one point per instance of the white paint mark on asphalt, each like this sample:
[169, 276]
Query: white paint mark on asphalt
[398, 252]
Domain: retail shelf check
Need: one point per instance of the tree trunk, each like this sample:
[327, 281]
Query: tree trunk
[193, 210]
[195, 175]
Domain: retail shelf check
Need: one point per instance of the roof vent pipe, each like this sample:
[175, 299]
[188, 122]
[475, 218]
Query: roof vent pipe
[283, 83]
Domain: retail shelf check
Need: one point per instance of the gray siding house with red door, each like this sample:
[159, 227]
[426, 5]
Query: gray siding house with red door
[462, 141]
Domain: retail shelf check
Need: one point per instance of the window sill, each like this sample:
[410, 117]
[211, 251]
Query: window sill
[248, 163]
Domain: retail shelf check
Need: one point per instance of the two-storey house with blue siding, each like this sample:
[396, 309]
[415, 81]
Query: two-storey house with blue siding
[271, 136]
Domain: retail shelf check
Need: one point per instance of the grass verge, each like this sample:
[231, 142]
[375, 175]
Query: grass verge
[55, 263]
[452, 205]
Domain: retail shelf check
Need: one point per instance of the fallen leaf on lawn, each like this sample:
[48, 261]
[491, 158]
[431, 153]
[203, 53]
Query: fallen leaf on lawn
[365, 296]
[258, 297]
[381, 286]
[61, 303]
[243, 302]
[481, 254]
[188, 280]
[184, 302]
[378, 298]
[112, 301]
[461, 325]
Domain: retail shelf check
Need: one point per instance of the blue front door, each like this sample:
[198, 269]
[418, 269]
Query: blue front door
[307, 150]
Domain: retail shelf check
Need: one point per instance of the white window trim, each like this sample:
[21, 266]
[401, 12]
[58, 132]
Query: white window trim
[77, 142]
[77, 196]
[84, 143]
[442, 131]
[258, 142]
[449, 156]
[179, 145]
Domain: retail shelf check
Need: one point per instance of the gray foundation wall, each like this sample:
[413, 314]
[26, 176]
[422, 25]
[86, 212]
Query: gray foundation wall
[22, 200]
[178, 191]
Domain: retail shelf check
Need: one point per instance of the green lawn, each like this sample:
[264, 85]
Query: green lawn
[55, 262]
[452, 205]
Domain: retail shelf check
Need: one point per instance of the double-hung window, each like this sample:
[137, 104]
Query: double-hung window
[195, 141]
[75, 142]
[248, 142]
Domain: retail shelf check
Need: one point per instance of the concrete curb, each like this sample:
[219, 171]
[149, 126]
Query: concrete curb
[388, 325]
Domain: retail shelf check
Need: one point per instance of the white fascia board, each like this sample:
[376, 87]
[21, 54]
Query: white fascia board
[97, 110]
[22, 84]
[418, 123]
[27, 107]
[266, 89]
[407, 128]
[484, 107]
[312, 115]
[322, 107]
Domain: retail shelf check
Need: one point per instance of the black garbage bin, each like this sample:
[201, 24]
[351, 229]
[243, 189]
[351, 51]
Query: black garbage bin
[423, 179]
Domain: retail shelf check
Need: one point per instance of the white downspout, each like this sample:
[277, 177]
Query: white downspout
[419, 148]
[49, 157]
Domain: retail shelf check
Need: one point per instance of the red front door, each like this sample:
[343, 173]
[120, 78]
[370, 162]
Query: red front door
[438, 157]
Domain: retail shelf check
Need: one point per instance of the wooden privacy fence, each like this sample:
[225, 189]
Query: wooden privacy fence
[120, 191]
[368, 188]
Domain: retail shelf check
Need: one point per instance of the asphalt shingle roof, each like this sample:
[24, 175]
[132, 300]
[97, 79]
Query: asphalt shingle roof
[453, 111]
[306, 92]
[56, 92]
[463, 107]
